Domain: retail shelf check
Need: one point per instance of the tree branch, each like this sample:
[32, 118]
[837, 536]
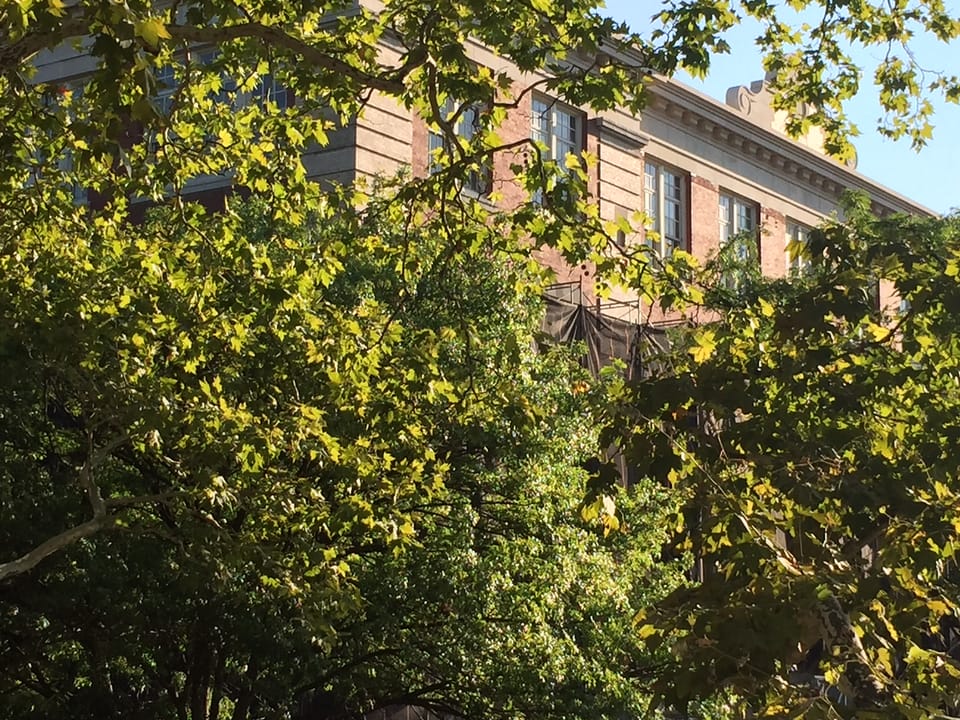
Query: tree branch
[94, 458]
[55, 544]
[68, 537]
[390, 82]
[14, 53]
[101, 516]
[78, 24]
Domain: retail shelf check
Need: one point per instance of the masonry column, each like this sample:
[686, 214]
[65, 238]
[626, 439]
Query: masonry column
[773, 239]
[704, 218]
[516, 126]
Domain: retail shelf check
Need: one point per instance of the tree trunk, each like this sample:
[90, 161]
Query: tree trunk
[245, 701]
[221, 662]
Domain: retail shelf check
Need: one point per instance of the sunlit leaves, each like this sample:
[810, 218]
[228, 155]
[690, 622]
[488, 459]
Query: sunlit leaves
[812, 50]
[818, 476]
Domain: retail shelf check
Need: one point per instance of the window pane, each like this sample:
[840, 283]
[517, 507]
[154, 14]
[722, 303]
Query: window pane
[558, 130]
[228, 84]
[468, 122]
[269, 90]
[565, 148]
[672, 208]
[663, 203]
[465, 127]
[434, 145]
[651, 195]
[435, 140]
[540, 123]
[448, 108]
[745, 216]
[566, 129]
[726, 218]
[166, 88]
[671, 223]
[671, 186]
[650, 177]
[798, 257]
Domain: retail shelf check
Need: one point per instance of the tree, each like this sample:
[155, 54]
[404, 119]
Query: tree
[317, 525]
[820, 481]
[173, 389]
[811, 49]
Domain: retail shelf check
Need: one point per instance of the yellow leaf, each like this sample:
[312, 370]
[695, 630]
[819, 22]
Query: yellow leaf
[705, 345]
[695, 295]
[645, 631]
[152, 30]
[877, 332]
[572, 161]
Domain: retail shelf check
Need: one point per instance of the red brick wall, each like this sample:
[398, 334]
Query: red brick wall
[773, 238]
[418, 146]
[515, 127]
[704, 224]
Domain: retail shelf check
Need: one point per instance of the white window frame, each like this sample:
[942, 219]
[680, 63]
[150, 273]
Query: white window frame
[167, 86]
[732, 211]
[558, 127]
[466, 126]
[270, 90]
[797, 249]
[739, 221]
[737, 217]
[665, 202]
[228, 84]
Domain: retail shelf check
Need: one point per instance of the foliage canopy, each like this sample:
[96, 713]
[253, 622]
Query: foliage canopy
[328, 475]
[288, 414]
[819, 480]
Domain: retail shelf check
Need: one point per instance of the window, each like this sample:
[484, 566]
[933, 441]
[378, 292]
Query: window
[226, 95]
[737, 217]
[797, 249]
[269, 90]
[739, 245]
[664, 202]
[738, 225]
[559, 129]
[165, 90]
[466, 125]
[164, 93]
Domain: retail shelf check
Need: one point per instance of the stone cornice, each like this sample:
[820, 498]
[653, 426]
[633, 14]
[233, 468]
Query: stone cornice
[624, 138]
[721, 124]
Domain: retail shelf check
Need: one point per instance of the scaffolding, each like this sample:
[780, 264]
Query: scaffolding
[611, 330]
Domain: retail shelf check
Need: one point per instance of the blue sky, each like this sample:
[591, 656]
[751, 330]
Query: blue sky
[928, 176]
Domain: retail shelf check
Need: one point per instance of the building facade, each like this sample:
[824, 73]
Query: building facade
[702, 171]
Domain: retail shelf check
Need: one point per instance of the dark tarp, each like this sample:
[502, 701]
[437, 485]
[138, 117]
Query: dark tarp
[605, 336]
[641, 347]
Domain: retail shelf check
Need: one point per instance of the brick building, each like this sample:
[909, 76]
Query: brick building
[702, 170]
